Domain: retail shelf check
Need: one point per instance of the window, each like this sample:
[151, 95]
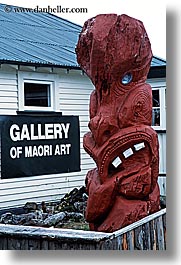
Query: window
[37, 92]
[156, 108]
[37, 95]
[159, 107]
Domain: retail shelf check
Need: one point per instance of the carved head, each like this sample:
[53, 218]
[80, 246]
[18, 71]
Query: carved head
[112, 48]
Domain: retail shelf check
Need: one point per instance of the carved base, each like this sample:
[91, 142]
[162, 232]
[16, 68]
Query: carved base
[124, 212]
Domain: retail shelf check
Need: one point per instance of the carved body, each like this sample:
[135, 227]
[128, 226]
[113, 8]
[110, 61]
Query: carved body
[115, 52]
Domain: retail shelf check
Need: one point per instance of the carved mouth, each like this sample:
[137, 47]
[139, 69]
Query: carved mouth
[117, 163]
[120, 151]
[116, 159]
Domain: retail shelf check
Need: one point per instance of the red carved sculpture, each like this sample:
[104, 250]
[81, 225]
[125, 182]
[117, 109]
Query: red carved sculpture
[115, 52]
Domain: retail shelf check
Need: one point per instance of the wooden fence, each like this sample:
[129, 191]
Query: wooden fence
[147, 234]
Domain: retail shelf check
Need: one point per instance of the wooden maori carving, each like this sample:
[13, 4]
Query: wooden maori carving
[115, 52]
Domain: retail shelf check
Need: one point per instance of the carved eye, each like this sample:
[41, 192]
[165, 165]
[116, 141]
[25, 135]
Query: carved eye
[126, 78]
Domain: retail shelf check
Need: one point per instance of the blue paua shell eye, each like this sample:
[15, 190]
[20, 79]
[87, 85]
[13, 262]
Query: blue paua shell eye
[126, 78]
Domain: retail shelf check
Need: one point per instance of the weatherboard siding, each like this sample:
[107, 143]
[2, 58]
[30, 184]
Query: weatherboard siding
[73, 93]
[8, 93]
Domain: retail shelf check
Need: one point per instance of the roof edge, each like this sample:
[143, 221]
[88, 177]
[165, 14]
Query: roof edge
[66, 20]
[159, 58]
[40, 64]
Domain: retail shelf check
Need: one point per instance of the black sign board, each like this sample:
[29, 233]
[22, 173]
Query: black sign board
[36, 145]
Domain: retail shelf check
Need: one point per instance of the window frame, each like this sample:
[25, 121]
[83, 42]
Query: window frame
[162, 107]
[160, 85]
[38, 78]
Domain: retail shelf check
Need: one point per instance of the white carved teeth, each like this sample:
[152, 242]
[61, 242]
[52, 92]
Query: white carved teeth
[128, 152]
[139, 146]
[116, 162]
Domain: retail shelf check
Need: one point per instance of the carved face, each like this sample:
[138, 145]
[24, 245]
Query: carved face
[117, 63]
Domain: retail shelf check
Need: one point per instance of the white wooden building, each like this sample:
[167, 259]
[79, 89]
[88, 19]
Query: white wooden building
[40, 49]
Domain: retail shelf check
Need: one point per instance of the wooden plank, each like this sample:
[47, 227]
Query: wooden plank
[138, 238]
[7, 105]
[164, 228]
[124, 242]
[8, 111]
[60, 246]
[156, 236]
[74, 108]
[8, 100]
[106, 244]
[130, 239]
[7, 75]
[74, 84]
[39, 193]
[74, 102]
[9, 67]
[24, 244]
[52, 233]
[93, 246]
[51, 245]
[146, 236]
[75, 91]
[14, 244]
[44, 245]
[160, 233]
[9, 89]
[3, 243]
[139, 223]
[6, 82]
[71, 112]
[74, 97]
[157, 82]
[118, 242]
[34, 244]
[153, 235]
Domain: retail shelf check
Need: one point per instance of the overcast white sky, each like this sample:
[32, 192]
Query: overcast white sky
[151, 12]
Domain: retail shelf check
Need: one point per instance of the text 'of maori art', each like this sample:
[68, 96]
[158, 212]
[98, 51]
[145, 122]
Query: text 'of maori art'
[115, 52]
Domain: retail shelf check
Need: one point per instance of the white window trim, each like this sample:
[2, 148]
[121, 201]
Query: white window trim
[39, 78]
[162, 125]
[160, 84]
